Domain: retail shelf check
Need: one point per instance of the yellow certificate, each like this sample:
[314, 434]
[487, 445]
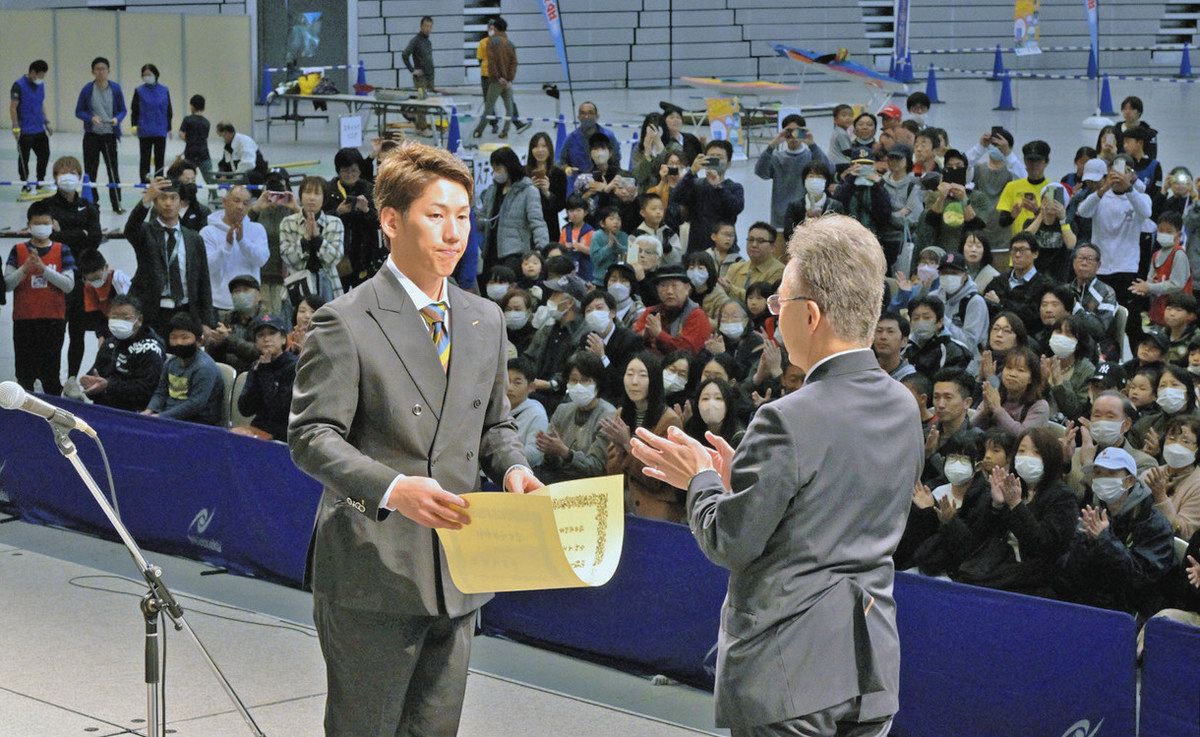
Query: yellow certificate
[563, 536]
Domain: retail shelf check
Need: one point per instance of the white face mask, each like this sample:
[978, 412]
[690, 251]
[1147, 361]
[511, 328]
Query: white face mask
[923, 330]
[41, 232]
[733, 330]
[97, 283]
[1194, 370]
[713, 413]
[496, 291]
[500, 177]
[516, 319]
[958, 471]
[121, 329]
[244, 301]
[1106, 432]
[1108, 490]
[557, 284]
[1178, 456]
[1172, 400]
[68, 182]
[951, 283]
[1166, 240]
[697, 277]
[619, 291]
[148, 79]
[39, 82]
[598, 321]
[917, 118]
[815, 186]
[600, 156]
[778, 335]
[927, 272]
[1062, 346]
[1029, 468]
[672, 382]
[581, 394]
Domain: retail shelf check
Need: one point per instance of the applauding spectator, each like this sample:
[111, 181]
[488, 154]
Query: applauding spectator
[574, 447]
[1175, 486]
[267, 395]
[312, 242]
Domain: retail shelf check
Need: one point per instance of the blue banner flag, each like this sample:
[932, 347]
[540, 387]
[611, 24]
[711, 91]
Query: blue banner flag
[554, 24]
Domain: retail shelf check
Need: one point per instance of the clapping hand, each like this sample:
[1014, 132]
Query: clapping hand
[987, 363]
[1152, 442]
[595, 344]
[760, 399]
[1005, 487]
[551, 443]
[1193, 572]
[616, 431]
[1158, 481]
[922, 496]
[675, 459]
[715, 344]
[903, 283]
[932, 440]
[946, 509]
[991, 397]
[684, 410]
[653, 324]
[1140, 287]
[1095, 521]
[362, 204]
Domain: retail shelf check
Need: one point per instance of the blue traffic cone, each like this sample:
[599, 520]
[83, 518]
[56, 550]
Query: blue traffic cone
[453, 134]
[998, 65]
[892, 70]
[87, 191]
[1106, 105]
[908, 68]
[362, 80]
[560, 133]
[1093, 69]
[265, 86]
[1006, 98]
[1185, 63]
[931, 87]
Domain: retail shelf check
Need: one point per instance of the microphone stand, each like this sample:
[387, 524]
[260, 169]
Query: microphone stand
[157, 603]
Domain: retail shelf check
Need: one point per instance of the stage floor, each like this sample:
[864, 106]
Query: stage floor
[71, 638]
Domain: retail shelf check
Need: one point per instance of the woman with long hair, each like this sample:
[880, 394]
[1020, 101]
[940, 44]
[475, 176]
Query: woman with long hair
[549, 178]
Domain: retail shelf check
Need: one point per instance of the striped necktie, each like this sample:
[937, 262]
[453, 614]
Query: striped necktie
[435, 319]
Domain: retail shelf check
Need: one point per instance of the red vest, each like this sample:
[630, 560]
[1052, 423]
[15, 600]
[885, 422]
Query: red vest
[1158, 305]
[96, 299]
[35, 298]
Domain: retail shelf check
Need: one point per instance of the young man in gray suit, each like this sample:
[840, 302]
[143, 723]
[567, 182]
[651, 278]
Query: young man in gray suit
[808, 512]
[400, 399]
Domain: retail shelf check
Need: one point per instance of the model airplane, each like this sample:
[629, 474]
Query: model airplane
[836, 63]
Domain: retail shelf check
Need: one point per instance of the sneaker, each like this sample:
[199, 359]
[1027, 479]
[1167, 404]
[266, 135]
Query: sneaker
[524, 126]
[26, 193]
[73, 389]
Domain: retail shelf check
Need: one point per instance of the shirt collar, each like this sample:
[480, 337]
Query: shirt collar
[1012, 275]
[419, 298]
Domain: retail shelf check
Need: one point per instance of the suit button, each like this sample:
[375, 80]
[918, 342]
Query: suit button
[470, 454]
[476, 404]
[416, 410]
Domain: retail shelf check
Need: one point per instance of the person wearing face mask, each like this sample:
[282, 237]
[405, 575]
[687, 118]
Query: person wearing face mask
[499, 282]
[191, 387]
[575, 154]
[965, 306]
[921, 283]
[233, 341]
[150, 113]
[611, 341]
[193, 214]
[1176, 396]
[235, 245]
[40, 274]
[267, 393]
[1123, 546]
[30, 126]
[574, 447]
[1026, 522]
[734, 340]
[619, 282]
[1111, 418]
[77, 226]
[716, 403]
[517, 305]
[641, 404]
[351, 197]
[1169, 271]
[783, 163]
[814, 201]
[930, 347]
[1175, 485]
[510, 213]
[1070, 368]
[101, 284]
[702, 273]
[932, 540]
[708, 195]
[676, 322]
[1118, 212]
[129, 364]
[557, 324]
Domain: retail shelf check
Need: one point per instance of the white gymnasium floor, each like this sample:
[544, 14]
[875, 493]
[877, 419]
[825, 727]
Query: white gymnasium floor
[71, 660]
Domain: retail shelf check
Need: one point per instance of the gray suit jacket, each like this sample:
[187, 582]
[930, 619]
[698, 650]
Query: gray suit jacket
[371, 401]
[823, 481]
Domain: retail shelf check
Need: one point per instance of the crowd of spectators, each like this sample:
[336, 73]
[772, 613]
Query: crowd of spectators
[1053, 466]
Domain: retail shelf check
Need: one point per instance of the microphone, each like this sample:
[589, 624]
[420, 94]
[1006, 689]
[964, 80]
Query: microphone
[12, 396]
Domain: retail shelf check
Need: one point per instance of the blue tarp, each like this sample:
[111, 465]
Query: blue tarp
[1171, 679]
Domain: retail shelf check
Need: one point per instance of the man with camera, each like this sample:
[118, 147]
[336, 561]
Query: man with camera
[784, 165]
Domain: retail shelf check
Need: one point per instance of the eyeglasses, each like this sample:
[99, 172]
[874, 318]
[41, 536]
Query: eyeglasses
[774, 302]
[750, 240]
[1022, 249]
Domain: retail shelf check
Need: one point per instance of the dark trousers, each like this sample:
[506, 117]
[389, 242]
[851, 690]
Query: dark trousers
[392, 674]
[37, 350]
[160, 319]
[483, 85]
[79, 323]
[39, 144]
[148, 147]
[96, 145]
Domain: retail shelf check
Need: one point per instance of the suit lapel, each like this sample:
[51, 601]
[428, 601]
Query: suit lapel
[465, 338]
[406, 332]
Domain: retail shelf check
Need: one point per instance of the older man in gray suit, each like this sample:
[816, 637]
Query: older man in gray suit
[807, 514]
[400, 398]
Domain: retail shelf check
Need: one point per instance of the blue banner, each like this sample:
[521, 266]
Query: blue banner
[1170, 672]
[553, 16]
[1093, 18]
[182, 489]
[900, 37]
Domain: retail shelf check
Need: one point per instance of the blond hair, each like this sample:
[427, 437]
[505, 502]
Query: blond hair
[406, 170]
[839, 264]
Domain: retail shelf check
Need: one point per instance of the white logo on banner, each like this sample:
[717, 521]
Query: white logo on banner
[1083, 728]
[4, 497]
[199, 526]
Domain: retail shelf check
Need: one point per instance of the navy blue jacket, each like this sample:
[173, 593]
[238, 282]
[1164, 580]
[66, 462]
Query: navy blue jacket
[83, 106]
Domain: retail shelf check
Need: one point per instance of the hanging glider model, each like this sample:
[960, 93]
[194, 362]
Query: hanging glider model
[837, 63]
[734, 87]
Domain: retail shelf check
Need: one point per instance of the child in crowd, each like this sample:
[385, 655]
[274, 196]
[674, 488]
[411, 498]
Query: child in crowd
[40, 273]
[652, 211]
[577, 236]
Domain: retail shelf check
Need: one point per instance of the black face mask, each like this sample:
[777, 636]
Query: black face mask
[183, 351]
[187, 192]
